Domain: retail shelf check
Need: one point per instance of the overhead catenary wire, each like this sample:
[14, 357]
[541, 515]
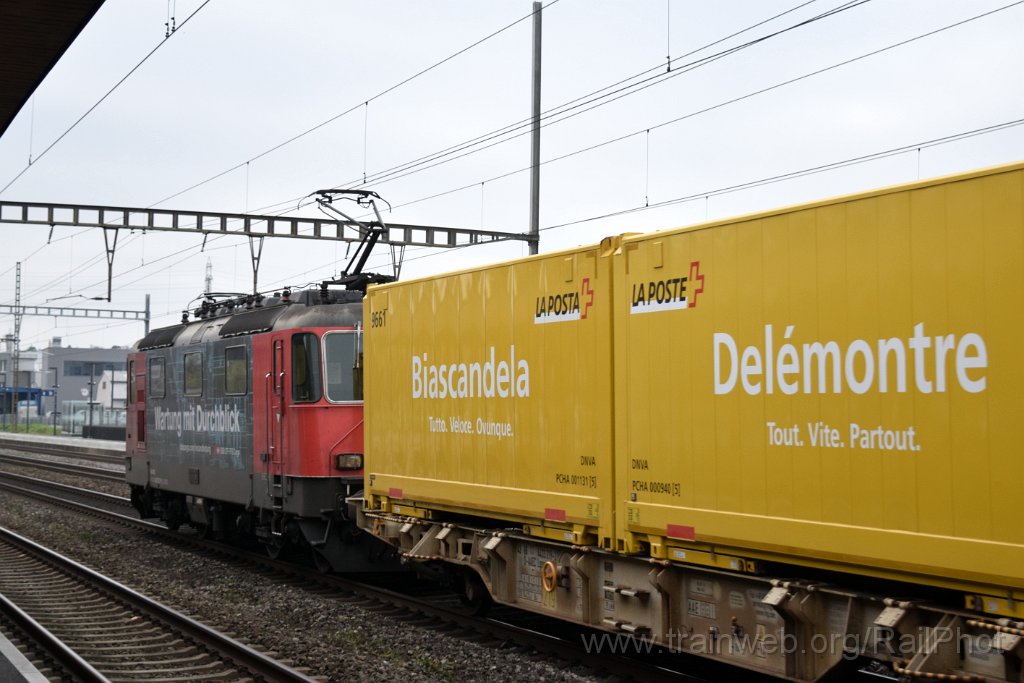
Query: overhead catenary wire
[787, 82]
[40, 338]
[351, 109]
[31, 128]
[94, 106]
[72, 270]
[761, 91]
[668, 35]
[566, 106]
[875, 156]
[39, 249]
[185, 255]
[424, 71]
[716, 106]
[101, 100]
[597, 98]
[822, 168]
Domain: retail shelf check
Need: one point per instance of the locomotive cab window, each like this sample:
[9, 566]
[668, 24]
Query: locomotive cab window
[343, 366]
[305, 368]
[194, 374]
[236, 371]
[156, 378]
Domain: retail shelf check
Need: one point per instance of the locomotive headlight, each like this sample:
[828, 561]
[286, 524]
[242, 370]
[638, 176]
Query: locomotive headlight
[348, 461]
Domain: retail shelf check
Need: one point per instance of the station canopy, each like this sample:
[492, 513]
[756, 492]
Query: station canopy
[34, 34]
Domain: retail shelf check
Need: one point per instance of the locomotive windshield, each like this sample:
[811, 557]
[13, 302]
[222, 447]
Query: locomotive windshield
[343, 362]
[305, 368]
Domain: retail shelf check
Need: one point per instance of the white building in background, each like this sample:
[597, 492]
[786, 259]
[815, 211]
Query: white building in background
[112, 391]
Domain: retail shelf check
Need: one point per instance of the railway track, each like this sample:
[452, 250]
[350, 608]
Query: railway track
[65, 468]
[25, 482]
[97, 629]
[437, 611]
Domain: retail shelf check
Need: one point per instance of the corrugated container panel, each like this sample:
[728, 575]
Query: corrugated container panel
[865, 408]
[549, 464]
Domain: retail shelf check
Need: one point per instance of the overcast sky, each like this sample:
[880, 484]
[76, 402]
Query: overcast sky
[242, 76]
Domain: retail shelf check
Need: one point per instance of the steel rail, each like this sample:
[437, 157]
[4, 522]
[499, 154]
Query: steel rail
[119, 501]
[228, 649]
[67, 658]
[64, 468]
[498, 629]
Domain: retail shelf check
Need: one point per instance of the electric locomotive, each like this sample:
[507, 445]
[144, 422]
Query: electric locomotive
[249, 419]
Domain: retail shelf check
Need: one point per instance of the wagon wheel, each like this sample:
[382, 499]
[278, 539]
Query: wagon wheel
[474, 596]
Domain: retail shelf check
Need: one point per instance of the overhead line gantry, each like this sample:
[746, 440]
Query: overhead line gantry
[255, 227]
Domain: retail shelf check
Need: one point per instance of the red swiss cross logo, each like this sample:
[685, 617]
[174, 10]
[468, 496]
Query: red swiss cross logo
[696, 277]
[586, 298]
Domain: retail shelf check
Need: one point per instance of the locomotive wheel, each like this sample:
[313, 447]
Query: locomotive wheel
[320, 561]
[175, 514]
[274, 551]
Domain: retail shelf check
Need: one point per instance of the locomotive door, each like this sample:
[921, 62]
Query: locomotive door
[136, 404]
[275, 425]
[137, 392]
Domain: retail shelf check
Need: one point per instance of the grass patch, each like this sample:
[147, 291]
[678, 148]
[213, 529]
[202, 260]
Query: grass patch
[33, 427]
[439, 670]
[349, 637]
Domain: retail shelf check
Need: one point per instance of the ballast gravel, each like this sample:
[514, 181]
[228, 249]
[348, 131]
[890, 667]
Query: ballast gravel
[329, 637]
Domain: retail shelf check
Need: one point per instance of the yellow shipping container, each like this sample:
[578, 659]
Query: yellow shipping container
[834, 385]
[488, 392]
[840, 384]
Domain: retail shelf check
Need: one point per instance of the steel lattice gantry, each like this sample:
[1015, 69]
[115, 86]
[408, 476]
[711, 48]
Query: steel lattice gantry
[72, 312]
[240, 224]
[113, 219]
